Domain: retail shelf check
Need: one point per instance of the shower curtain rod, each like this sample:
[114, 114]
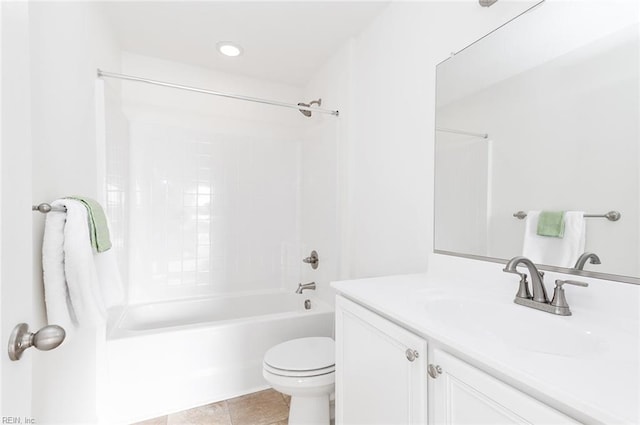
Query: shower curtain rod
[466, 133]
[105, 74]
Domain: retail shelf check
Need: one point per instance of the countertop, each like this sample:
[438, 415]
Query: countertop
[585, 365]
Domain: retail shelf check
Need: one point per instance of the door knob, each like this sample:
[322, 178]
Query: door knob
[434, 370]
[411, 354]
[45, 339]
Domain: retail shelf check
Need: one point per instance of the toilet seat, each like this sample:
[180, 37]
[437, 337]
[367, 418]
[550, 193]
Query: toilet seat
[298, 373]
[302, 357]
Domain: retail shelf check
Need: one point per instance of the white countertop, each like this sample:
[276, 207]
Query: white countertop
[586, 365]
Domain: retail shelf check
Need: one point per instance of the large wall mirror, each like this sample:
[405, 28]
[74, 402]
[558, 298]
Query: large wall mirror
[542, 115]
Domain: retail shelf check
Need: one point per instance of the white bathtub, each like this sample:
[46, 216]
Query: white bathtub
[176, 355]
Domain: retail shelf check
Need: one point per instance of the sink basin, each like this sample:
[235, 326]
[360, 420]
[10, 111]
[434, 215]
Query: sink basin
[519, 326]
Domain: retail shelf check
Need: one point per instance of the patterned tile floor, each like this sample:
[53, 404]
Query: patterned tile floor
[267, 407]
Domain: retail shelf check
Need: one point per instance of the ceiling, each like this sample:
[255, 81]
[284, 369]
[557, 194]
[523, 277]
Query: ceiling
[282, 41]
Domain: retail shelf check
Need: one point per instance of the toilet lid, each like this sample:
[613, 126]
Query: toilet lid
[302, 354]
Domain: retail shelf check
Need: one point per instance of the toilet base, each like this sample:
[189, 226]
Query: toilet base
[309, 410]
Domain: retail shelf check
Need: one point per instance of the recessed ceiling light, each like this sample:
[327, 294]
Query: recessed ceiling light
[228, 48]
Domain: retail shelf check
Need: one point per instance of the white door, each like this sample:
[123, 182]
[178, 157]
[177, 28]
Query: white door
[463, 394]
[16, 271]
[380, 370]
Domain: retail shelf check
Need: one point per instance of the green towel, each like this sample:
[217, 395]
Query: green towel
[98, 228]
[551, 223]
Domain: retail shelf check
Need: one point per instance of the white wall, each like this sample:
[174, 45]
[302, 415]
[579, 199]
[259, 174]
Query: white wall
[386, 78]
[214, 184]
[383, 83]
[324, 186]
[68, 41]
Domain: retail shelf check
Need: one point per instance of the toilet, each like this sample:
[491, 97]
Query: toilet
[303, 368]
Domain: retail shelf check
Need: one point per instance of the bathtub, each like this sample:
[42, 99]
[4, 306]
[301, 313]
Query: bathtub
[171, 356]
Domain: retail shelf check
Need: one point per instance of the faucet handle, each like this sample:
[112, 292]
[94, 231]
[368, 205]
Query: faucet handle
[559, 299]
[560, 282]
[523, 288]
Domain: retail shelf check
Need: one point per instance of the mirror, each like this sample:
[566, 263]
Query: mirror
[543, 115]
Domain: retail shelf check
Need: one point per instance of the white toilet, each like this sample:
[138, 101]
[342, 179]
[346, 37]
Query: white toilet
[303, 368]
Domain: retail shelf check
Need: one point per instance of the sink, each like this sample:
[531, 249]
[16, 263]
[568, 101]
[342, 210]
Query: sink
[514, 325]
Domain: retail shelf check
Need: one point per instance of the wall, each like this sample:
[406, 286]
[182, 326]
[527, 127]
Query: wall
[324, 192]
[68, 41]
[222, 178]
[386, 80]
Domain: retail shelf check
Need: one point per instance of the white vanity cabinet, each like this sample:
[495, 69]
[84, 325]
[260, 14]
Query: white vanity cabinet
[463, 394]
[382, 376]
[380, 369]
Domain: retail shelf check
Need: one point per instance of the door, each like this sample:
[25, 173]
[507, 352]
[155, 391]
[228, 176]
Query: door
[463, 394]
[16, 275]
[380, 369]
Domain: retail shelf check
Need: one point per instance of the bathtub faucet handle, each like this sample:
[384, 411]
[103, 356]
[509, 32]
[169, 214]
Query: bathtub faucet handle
[312, 259]
[304, 286]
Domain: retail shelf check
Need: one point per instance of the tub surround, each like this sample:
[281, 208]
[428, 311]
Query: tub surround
[585, 365]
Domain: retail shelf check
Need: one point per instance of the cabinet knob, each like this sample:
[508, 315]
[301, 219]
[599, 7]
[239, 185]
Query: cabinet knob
[411, 354]
[434, 370]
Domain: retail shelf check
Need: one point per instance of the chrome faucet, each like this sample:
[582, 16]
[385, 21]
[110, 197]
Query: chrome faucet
[539, 291]
[303, 286]
[539, 300]
[582, 260]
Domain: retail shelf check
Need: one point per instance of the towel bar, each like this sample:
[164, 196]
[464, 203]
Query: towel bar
[611, 215]
[45, 208]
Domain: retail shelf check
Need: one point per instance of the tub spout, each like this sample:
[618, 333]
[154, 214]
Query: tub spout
[304, 286]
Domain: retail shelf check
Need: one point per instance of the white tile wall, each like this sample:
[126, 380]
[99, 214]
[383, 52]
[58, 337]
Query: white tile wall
[117, 176]
[210, 212]
[215, 199]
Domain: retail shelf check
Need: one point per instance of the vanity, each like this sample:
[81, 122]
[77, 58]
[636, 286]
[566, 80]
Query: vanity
[449, 347]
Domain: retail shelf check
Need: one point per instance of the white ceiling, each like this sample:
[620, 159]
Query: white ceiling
[282, 41]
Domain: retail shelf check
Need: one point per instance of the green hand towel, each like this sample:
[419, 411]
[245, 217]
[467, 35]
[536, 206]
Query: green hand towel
[551, 223]
[98, 228]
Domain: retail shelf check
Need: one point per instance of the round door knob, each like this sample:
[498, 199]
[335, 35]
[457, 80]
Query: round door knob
[411, 354]
[45, 339]
[48, 337]
[434, 371]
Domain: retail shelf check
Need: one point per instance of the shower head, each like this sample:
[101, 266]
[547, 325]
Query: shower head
[308, 105]
[486, 3]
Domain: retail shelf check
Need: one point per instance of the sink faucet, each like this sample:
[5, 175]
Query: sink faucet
[303, 286]
[540, 301]
[539, 292]
[582, 260]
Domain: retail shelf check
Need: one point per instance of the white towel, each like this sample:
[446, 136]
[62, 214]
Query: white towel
[79, 283]
[562, 252]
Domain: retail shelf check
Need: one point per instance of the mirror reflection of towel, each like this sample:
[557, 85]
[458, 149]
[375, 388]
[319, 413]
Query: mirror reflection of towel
[562, 252]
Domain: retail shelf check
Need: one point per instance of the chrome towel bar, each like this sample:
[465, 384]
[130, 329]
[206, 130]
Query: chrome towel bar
[45, 208]
[611, 215]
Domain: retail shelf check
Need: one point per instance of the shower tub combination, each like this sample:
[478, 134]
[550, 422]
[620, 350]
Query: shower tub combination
[171, 356]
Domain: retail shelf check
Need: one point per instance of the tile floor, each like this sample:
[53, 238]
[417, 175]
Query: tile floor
[267, 407]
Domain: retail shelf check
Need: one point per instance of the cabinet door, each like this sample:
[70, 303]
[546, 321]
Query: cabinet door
[462, 394]
[377, 380]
